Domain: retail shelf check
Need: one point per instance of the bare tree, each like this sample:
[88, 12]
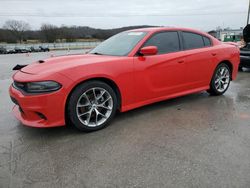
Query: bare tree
[49, 32]
[17, 28]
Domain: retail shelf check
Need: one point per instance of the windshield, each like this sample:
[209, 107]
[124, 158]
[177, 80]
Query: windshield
[120, 44]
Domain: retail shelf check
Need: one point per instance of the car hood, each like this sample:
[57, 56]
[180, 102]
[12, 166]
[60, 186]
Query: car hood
[57, 64]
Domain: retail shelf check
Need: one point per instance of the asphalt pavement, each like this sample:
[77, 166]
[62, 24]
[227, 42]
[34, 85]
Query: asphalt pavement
[192, 141]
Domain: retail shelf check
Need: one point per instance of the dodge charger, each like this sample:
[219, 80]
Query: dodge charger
[129, 70]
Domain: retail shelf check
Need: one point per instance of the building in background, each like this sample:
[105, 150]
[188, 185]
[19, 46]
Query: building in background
[227, 35]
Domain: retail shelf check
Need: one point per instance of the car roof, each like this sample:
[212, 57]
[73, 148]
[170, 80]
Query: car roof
[158, 29]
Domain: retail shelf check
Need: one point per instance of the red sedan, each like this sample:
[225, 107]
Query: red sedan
[131, 69]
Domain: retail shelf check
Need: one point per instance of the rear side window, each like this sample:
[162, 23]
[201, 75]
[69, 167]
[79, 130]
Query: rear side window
[207, 41]
[166, 42]
[192, 40]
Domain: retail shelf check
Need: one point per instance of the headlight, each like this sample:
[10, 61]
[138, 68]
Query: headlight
[38, 87]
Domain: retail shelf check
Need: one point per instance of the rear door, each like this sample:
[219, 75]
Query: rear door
[199, 59]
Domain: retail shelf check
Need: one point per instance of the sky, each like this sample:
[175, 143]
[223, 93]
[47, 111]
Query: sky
[199, 14]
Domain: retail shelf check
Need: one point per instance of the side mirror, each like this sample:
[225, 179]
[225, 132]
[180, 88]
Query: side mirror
[149, 50]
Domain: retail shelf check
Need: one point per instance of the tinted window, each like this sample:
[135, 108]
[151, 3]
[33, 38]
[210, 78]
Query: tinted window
[166, 42]
[207, 41]
[192, 40]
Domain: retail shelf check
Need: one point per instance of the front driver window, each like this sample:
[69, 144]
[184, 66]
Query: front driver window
[166, 42]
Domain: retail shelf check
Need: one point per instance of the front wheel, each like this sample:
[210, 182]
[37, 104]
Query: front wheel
[91, 106]
[221, 80]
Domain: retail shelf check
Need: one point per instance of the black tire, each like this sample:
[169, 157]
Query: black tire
[213, 89]
[75, 96]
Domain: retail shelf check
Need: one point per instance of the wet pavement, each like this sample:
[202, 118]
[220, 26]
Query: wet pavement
[191, 141]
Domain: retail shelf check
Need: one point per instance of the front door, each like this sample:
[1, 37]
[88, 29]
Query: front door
[161, 74]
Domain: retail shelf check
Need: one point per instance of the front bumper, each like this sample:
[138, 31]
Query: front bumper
[245, 61]
[40, 110]
[43, 110]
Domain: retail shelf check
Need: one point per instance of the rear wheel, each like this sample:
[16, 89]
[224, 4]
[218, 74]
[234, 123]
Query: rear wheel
[221, 80]
[91, 106]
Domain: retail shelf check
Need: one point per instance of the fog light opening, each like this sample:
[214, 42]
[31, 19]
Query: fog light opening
[20, 109]
[41, 115]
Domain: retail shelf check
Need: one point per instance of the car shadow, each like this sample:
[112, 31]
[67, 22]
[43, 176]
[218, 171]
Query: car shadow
[177, 102]
[52, 131]
[67, 130]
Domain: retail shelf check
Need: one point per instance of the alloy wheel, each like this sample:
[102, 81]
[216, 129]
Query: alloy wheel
[94, 107]
[222, 79]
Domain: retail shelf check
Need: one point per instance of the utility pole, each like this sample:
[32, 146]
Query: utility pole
[248, 13]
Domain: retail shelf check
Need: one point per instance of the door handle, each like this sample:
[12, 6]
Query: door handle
[181, 61]
[214, 54]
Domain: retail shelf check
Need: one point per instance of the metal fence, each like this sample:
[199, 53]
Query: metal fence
[55, 46]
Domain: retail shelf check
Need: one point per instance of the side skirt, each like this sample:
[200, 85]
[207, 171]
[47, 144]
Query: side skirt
[147, 102]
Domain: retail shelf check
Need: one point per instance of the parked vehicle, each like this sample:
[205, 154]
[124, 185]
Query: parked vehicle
[11, 51]
[129, 70]
[3, 50]
[245, 57]
[245, 51]
[232, 38]
[21, 50]
[44, 49]
[35, 49]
